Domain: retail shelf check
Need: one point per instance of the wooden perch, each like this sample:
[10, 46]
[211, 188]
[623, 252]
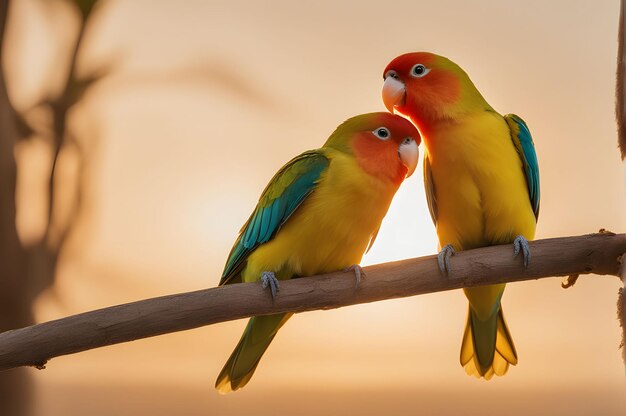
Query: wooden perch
[34, 345]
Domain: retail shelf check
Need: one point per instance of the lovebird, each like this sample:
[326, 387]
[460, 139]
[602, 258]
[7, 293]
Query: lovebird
[482, 186]
[319, 214]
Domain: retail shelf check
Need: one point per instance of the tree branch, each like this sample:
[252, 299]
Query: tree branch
[620, 93]
[621, 306]
[34, 345]
[620, 112]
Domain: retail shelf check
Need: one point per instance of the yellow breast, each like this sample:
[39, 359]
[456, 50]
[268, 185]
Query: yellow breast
[481, 191]
[331, 229]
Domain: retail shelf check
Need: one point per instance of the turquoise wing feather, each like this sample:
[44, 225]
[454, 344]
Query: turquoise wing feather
[523, 141]
[280, 199]
[429, 187]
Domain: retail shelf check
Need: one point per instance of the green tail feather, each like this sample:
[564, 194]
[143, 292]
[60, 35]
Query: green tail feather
[484, 339]
[257, 336]
[487, 347]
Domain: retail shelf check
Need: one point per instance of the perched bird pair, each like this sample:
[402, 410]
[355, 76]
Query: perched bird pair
[482, 185]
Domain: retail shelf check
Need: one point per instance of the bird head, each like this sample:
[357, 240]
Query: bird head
[428, 88]
[384, 145]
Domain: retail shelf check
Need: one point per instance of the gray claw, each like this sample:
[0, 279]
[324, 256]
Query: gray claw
[269, 279]
[521, 244]
[443, 258]
[358, 272]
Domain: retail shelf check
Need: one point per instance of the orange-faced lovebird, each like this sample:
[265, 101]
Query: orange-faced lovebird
[318, 214]
[482, 186]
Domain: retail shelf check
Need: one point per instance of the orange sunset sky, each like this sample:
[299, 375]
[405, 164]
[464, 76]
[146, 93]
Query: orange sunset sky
[205, 100]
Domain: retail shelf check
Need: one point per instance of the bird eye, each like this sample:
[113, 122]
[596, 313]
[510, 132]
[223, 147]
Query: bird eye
[391, 73]
[382, 133]
[419, 70]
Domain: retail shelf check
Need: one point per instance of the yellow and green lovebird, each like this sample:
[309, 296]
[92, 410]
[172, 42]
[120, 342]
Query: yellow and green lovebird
[482, 185]
[318, 214]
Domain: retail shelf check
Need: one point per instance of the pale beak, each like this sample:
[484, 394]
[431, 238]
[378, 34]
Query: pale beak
[394, 93]
[409, 154]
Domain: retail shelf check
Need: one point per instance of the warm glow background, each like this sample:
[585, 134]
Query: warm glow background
[207, 99]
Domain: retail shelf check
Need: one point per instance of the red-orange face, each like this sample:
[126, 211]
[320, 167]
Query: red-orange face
[386, 145]
[421, 85]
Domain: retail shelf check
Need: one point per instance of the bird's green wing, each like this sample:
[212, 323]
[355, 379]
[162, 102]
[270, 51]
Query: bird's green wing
[429, 186]
[371, 243]
[280, 199]
[523, 141]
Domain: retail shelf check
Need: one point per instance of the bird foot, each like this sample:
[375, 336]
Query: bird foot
[520, 244]
[269, 279]
[443, 258]
[358, 272]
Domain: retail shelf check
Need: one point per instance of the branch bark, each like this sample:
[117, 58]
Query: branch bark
[621, 307]
[620, 112]
[620, 92]
[34, 345]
